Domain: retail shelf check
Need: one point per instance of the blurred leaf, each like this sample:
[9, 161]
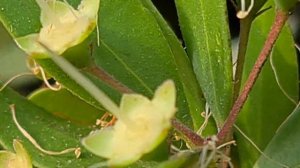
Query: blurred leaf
[65, 105]
[50, 132]
[286, 5]
[284, 148]
[12, 59]
[182, 159]
[206, 35]
[267, 106]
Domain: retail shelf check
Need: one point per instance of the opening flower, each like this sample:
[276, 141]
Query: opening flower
[141, 126]
[62, 26]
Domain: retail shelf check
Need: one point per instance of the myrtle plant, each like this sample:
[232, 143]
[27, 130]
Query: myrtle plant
[120, 89]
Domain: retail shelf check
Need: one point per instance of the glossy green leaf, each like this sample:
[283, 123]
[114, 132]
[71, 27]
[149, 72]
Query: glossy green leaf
[267, 106]
[50, 132]
[206, 35]
[65, 105]
[284, 148]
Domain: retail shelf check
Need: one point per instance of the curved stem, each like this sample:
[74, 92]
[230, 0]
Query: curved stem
[280, 19]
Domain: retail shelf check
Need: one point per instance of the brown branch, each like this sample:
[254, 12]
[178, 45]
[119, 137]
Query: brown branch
[280, 19]
[108, 79]
[187, 132]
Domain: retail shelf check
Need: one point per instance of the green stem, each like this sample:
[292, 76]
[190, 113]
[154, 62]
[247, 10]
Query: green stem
[245, 26]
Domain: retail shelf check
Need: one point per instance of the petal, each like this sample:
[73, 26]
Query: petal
[12, 160]
[29, 44]
[67, 35]
[52, 11]
[89, 8]
[132, 102]
[165, 98]
[22, 154]
[100, 142]
[8, 159]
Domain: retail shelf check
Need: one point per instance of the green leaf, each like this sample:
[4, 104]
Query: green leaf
[206, 35]
[134, 49]
[284, 148]
[50, 132]
[187, 77]
[267, 106]
[65, 105]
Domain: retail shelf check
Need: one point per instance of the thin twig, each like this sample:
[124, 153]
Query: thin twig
[278, 24]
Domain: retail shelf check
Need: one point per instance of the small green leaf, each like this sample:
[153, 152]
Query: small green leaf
[206, 35]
